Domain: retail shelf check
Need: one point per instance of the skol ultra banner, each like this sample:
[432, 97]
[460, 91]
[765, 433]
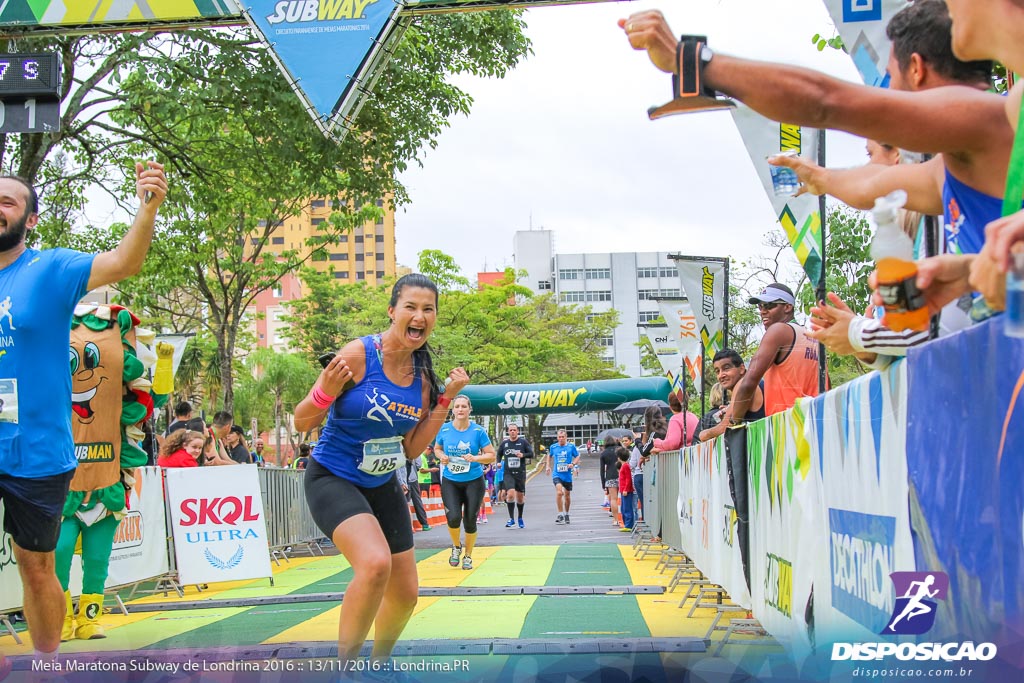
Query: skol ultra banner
[669, 357]
[705, 285]
[218, 524]
[798, 216]
[708, 522]
[857, 435]
[785, 529]
[683, 331]
[861, 24]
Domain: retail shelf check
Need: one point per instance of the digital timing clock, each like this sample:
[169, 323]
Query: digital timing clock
[35, 74]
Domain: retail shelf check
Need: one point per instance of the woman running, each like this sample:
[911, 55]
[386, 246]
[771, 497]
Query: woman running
[383, 404]
[463, 448]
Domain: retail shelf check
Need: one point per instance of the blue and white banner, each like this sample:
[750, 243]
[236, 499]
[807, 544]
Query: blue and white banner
[965, 456]
[857, 434]
[330, 50]
[219, 529]
[861, 24]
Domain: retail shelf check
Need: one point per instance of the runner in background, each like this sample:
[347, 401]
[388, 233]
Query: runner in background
[562, 458]
[463, 448]
[513, 454]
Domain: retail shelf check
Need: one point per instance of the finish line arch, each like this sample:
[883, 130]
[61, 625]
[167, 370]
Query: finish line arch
[563, 397]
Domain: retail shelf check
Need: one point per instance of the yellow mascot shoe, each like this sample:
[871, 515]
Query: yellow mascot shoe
[90, 608]
[67, 632]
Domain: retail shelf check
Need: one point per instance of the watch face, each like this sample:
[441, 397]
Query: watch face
[706, 54]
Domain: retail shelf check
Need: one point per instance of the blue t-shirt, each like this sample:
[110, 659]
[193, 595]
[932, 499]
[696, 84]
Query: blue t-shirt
[457, 444]
[38, 293]
[561, 460]
[376, 408]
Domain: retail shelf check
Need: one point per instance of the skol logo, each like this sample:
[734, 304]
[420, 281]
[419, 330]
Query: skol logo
[296, 11]
[217, 511]
[778, 584]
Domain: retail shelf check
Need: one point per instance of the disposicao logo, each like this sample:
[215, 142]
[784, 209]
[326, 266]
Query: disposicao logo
[914, 613]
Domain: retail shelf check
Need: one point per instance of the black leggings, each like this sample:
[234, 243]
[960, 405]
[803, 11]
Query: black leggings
[462, 501]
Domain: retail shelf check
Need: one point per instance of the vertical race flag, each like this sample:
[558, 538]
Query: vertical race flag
[861, 24]
[682, 329]
[667, 352]
[799, 216]
[330, 51]
[704, 285]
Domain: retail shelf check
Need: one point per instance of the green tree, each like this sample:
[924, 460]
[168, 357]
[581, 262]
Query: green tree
[244, 158]
[281, 380]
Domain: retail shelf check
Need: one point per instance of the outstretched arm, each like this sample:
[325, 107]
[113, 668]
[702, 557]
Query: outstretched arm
[946, 119]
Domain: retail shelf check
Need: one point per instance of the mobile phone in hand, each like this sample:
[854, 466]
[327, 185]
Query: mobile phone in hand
[325, 359]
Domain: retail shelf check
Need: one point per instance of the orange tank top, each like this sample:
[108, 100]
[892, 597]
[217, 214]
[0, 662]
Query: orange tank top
[795, 376]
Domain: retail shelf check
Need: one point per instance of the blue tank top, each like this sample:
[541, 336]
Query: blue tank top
[966, 212]
[376, 408]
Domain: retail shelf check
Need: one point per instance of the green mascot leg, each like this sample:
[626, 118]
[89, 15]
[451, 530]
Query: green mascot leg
[97, 543]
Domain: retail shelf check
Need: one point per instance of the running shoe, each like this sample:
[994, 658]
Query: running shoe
[625, 529]
[426, 527]
[467, 563]
[510, 523]
[566, 518]
[606, 504]
[521, 525]
[560, 519]
[456, 554]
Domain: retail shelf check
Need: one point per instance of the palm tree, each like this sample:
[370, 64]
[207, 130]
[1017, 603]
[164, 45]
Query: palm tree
[287, 378]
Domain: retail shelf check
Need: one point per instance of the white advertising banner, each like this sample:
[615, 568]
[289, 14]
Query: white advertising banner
[798, 216]
[859, 443]
[682, 330]
[708, 522]
[218, 524]
[704, 284]
[140, 542]
[861, 24]
[667, 353]
[786, 535]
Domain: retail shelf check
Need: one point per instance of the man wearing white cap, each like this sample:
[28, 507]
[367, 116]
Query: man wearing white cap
[787, 358]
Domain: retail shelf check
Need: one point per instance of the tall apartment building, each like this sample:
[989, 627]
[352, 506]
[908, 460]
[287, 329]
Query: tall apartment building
[365, 254]
[628, 282]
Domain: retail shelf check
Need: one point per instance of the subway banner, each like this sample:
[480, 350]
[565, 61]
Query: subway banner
[858, 445]
[967, 485]
[708, 517]
[563, 397]
[861, 24]
[705, 283]
[798, 216]
[785, 527]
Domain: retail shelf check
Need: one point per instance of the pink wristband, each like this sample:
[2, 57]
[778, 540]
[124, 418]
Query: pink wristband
[320, 399]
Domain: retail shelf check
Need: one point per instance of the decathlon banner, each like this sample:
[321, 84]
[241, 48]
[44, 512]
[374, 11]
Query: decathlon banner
[785, 527]
[967, 503]
[705, 281]
[682, 330]
[858, 445]
[798, 216]
[861, 24]
[219, 528]
[330, 50]
[708, 522]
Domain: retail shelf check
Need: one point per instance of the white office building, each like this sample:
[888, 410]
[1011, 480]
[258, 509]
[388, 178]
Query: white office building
[627, 282]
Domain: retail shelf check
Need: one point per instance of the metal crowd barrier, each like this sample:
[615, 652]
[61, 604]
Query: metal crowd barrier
[668, 496]
[289, 522]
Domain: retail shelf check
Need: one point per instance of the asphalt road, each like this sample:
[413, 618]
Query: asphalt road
[590, 522]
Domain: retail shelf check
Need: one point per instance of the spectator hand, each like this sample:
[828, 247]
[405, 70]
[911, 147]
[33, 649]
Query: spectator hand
[809, 173]
[1001, 236]
[649, 31]
[942, 279]
[830, 325]
[987, 278]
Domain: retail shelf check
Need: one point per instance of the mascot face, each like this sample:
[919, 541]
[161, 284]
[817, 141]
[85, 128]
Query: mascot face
[96, 366]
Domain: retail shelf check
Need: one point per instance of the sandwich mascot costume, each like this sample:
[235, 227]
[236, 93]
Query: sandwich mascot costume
[111, 398]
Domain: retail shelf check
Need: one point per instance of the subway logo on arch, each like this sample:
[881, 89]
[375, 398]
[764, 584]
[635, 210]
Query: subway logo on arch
[548, 398]
[298, 11]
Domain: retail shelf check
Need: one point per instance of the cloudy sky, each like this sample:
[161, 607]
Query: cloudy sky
[564, 142]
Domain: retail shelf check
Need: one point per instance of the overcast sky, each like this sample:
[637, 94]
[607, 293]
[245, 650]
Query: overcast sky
[564, 142]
